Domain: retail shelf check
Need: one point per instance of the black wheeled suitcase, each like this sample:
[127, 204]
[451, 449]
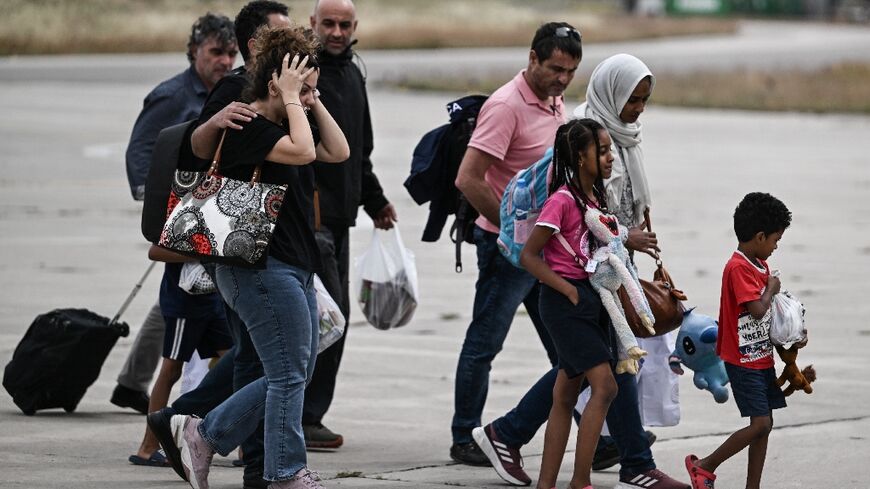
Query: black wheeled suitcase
[61, 355]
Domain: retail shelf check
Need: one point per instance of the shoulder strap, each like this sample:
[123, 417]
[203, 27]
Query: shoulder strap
[567, 246]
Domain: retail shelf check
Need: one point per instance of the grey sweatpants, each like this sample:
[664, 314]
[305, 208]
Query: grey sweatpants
[145, 354]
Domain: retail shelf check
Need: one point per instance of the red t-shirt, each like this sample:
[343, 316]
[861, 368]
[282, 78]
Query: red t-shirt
[743, 340]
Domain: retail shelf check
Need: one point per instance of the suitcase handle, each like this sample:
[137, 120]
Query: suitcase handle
[123, 329]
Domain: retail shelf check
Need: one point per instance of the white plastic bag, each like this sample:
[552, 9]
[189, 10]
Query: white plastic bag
[332, 322]
[658, 387]
[195, 280]
[386, 281]
[787, 320]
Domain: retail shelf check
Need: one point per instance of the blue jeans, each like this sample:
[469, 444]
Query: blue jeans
[500, 289]
[279, 308]
[238, 368]
[519, 425]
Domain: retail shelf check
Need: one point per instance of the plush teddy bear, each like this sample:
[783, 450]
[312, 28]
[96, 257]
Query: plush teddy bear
[610, 268]
[696, 349]
[796, 378]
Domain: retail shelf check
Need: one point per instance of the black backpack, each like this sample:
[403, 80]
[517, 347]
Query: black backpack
[171, 152]
[433, 170]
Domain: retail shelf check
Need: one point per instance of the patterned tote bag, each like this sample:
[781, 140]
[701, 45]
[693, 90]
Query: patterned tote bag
[220, 219]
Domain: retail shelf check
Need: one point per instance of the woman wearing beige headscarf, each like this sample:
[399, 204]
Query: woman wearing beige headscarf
[617, 95]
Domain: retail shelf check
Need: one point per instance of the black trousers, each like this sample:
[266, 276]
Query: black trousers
[333, 242]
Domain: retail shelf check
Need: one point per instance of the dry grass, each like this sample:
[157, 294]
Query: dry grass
[840, 88]
[101, 26]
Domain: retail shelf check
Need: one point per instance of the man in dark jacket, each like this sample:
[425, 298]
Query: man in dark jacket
[342, 189]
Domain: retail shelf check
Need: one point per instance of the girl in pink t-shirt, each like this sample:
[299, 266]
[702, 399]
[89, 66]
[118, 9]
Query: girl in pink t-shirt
[570, 309]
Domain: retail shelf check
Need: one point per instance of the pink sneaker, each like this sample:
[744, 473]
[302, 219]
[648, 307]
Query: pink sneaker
[304, 479]
[196, 454]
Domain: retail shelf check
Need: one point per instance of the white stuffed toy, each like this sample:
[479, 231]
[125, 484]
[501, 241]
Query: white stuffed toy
[609, 269]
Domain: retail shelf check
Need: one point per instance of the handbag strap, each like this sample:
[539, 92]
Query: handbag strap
[216, 162]
[647, 224]
[661, 274]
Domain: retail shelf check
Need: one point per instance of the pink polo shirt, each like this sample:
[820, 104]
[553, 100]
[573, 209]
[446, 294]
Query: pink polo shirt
[516, 127]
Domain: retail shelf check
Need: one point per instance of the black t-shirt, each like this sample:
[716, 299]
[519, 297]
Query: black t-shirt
[226, 91]
[293, 238]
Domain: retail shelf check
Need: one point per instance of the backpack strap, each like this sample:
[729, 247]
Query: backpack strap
[561, 238]
[567, 246]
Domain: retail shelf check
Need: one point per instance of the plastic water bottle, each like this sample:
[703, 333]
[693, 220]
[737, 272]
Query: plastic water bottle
[522, 199]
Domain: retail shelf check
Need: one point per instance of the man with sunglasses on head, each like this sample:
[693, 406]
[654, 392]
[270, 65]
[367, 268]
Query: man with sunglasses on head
[515, 126]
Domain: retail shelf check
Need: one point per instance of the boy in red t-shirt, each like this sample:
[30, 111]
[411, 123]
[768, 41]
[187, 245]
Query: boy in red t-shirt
[744, 343]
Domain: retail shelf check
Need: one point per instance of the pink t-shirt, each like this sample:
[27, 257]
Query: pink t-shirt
[561, 214]
[516, 127]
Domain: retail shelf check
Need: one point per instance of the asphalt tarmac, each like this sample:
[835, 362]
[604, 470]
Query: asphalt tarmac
[69, 237]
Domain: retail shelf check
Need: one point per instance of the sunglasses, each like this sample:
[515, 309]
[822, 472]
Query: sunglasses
[562, 32]
[568, 31]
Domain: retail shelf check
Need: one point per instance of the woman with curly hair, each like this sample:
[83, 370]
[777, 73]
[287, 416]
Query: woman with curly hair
[276, 301]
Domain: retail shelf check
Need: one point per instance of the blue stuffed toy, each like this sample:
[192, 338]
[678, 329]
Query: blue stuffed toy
[696, 349]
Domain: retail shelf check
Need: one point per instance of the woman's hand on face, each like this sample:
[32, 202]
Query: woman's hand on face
[643, 241]
[292, 76]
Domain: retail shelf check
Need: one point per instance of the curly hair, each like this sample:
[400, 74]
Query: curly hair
[271, 44]
[210, 25]
[759, 212]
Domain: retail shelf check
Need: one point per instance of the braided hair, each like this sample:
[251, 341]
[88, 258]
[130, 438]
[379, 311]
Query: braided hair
[573, 138]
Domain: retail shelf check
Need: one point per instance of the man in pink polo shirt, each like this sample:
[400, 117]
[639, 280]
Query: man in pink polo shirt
[515, 126]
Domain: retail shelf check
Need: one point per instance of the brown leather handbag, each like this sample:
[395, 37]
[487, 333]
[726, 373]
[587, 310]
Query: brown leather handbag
[665, 300]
